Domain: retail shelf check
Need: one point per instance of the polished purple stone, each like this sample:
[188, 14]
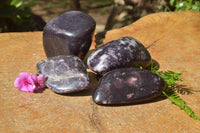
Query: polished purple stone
[122, 52]
[65, 73]
[70, 33]
[128, 85]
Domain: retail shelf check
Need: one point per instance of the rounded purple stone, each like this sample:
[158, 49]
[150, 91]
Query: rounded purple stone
[70, 33]
[128, 85]
[64, 73]
[119, 53]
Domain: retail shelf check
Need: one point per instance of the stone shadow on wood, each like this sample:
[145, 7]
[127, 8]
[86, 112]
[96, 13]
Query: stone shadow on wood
[40, 90]
[183, 89]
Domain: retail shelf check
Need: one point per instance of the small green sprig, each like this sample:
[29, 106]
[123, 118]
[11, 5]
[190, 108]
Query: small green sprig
[171, 95]
[170, 79]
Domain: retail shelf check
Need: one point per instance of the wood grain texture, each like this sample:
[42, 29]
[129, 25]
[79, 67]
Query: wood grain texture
[175, 46]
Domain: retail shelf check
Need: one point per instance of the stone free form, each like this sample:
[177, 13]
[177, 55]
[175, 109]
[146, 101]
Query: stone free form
[70, 33]
[128, 85]
[64, 73]
[119, 53]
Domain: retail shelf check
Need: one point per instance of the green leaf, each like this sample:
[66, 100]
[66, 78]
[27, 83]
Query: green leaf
[170, 79]
[172, 2]
[179, 102]
[16, 3]
[183, 5]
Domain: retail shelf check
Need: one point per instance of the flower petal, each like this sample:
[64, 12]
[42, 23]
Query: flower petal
[28, 88]
[24, 88]
[41, 86]
[41, 78]
[41, 81]
[32, 79]
[24, 75]
[31, 88]
[19, 83]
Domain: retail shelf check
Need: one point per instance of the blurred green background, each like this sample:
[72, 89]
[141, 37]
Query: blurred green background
[32, 15]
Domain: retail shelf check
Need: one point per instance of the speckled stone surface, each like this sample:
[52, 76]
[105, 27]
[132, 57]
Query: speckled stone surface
[175, 45]
[64, 73]
[69, 33]
[122, 52]
[128, 85]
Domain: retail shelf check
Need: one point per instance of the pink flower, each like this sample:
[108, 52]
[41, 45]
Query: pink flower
[40, 80]
[29, 82]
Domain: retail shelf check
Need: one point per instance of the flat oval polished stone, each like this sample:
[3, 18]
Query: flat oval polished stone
[125, 51]
[128, 85]
[65, 73]
[69, 34]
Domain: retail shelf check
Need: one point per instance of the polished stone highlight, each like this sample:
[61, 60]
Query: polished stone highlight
[127, 85]
[122, 52]
[70, 33]
[65, 73]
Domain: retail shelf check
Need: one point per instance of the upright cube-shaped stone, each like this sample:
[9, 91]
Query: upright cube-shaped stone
[70, 33]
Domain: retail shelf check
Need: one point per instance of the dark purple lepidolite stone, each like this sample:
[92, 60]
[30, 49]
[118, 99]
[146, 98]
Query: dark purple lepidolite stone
[65, 73]
[125, 51]
[128, 85]
[69, 34]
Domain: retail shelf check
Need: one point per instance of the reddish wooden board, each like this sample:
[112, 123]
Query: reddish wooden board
[174, 42]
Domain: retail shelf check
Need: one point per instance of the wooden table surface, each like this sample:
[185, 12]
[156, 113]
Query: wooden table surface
[174, 42]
